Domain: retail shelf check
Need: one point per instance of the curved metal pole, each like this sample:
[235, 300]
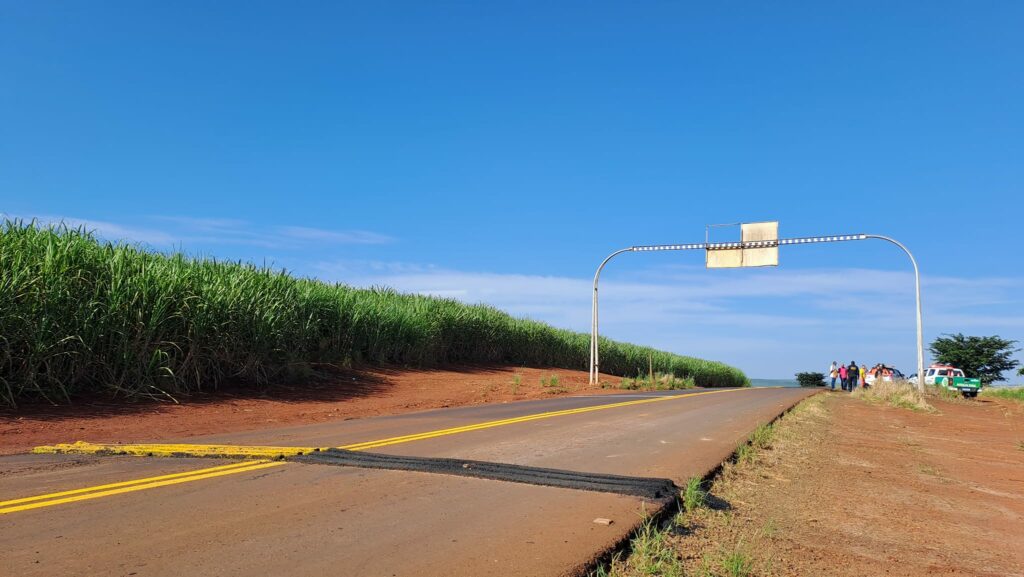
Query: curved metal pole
[593, 317]
[917, 287]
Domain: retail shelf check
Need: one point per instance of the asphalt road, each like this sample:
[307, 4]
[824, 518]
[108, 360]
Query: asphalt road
[119, 515]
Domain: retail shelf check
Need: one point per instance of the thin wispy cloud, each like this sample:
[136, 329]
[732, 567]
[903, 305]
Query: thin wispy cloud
[174, 231]
[102, 228]
[334, 236]
[210, 224]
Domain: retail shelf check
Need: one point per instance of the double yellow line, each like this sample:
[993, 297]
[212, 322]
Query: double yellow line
[261, 453]
[26, 503]
[523, 419]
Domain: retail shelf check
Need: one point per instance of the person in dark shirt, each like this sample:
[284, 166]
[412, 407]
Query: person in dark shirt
[854, 372]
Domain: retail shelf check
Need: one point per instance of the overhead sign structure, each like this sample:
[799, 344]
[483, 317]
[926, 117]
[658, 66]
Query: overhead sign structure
[759, 246]
[752, 234]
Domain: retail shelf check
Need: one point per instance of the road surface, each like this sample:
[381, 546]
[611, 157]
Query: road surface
[149, 516]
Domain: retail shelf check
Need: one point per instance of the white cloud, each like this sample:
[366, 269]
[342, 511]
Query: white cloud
[770, 323]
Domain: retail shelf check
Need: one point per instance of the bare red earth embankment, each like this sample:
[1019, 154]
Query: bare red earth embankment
[348, 395]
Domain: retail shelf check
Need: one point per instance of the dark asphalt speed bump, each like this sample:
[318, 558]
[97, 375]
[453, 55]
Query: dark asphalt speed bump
[647, 487]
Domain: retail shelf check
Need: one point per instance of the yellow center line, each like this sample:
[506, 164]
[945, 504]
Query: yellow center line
[98, 491]
[5, 504]
[487, 425]
[250, 466]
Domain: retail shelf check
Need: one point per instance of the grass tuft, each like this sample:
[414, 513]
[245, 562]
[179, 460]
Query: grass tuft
[762, 436]
[745, 453]
[549, 382]
[737, 563]
[652, 554]
[694, 495]
[759, 440]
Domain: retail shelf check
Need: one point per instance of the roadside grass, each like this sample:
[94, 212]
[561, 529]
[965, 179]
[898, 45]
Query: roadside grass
[517, 380]
[551, 385]
[651, 553]
[1012, 393]
[737, 563]
[659, 382]
[944, 394]
[900, 394]
[694, 495]
[657, 551]
[88, 318]
[744, 453]
[732, 546]
[759, 440]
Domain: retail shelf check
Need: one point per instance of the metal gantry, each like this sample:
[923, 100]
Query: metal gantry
[594, 344]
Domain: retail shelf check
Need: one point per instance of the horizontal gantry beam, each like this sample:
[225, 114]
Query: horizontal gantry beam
[750, 244]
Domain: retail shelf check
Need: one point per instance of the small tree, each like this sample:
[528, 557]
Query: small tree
[810, 379]
[984, 358]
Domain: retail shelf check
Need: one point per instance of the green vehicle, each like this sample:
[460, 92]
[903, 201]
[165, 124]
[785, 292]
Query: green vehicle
[953, 379]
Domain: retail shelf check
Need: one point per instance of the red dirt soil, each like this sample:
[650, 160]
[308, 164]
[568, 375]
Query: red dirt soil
[345, 395]
[852, 489]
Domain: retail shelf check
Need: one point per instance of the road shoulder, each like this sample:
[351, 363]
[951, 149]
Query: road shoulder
[847, 487]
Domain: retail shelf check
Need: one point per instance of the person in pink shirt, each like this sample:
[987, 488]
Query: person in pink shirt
[843, 376]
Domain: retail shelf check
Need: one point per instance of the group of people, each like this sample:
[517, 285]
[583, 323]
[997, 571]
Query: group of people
[849, 375]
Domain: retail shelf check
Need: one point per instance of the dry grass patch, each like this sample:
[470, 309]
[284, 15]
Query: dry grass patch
[900, 394]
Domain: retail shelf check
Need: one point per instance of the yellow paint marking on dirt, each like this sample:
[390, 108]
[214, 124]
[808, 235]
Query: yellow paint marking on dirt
[177, 450]
[130, 486]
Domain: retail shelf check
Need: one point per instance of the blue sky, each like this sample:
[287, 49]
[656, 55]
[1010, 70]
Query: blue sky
[496, 152]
